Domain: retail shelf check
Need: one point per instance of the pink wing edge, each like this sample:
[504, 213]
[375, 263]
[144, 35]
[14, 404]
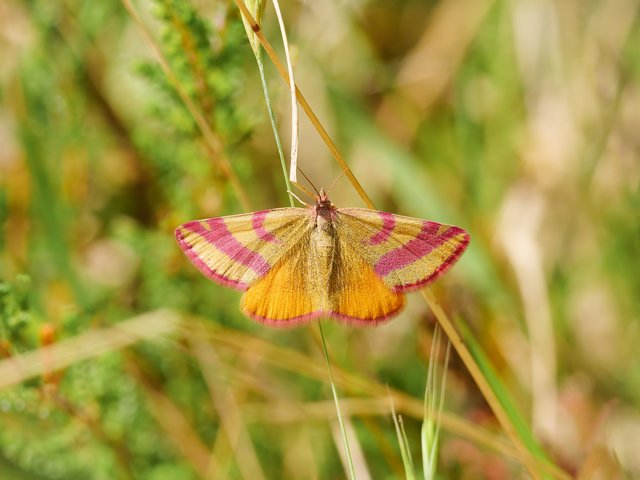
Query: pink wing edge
[443, 268]
[387, 228]
[200, 265]
[304, 319]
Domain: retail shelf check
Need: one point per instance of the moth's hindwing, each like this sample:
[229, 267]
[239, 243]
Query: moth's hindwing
[294, 291]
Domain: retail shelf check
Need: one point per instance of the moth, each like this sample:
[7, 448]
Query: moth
[297, 264]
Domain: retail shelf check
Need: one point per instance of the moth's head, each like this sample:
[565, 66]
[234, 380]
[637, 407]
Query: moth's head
[322, 200]
[324, 207]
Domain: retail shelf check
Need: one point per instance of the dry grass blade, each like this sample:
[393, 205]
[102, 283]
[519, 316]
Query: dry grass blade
[295, 128]
[88, 345]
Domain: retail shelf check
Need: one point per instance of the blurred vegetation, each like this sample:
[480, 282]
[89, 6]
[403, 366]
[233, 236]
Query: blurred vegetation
[515, 120]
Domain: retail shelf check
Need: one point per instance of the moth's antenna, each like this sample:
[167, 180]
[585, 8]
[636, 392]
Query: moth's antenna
[336, 180]
[310, 182]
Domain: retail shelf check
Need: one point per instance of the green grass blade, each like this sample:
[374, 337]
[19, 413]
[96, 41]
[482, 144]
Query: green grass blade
[403, 442]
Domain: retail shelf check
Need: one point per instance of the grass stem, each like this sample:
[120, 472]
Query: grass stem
[345, 438]
[276, 135]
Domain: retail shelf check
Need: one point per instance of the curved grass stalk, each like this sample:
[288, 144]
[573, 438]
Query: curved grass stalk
[272, 119]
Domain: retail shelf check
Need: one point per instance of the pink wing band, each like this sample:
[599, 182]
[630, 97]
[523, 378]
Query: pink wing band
[442, 268]
[219, 236]
[303, 319]
[388, 224]
[426, 241]
[257, 221]
[204, 268]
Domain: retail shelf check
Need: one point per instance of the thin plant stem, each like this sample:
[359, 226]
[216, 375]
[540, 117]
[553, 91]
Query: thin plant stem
[433, 406]
[352, 472]
[443, 383]
[287, 180]
[272, 118]
[403, 442]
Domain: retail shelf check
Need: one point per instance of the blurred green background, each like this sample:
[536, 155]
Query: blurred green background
[517, 120]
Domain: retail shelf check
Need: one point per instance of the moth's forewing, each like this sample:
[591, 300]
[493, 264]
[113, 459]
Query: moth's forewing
[237, 250]
[407, 253]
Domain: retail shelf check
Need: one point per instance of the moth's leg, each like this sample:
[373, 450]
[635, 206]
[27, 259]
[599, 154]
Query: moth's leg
[298, 198]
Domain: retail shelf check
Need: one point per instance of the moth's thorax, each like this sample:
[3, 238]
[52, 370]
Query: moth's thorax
[324, 213]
